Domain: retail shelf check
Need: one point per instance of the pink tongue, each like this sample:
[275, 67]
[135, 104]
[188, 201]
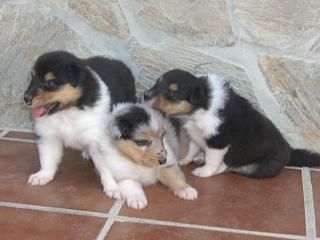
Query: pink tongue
[37, 112]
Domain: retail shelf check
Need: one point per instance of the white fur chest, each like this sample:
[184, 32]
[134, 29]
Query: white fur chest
[205, 123]
[75, 127]
[202, 124]
[195, 133]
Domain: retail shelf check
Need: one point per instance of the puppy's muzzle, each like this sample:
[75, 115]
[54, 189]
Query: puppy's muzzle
[162, 157]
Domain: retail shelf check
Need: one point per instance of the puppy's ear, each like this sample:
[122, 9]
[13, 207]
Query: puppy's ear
[198, 95]
[75, 73]
[121, 128]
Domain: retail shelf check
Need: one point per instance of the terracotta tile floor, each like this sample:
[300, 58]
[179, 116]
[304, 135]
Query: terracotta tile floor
[73, 206]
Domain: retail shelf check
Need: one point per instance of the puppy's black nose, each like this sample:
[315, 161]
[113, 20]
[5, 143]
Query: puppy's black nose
[162, 161]
[27, 99]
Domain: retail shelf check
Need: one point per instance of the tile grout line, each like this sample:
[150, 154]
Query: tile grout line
[18, 130]
[17, 140]
[3, 133]
[300, 168]
[53, 209]
[292, 168]
[112, 215]
[209, 228]
[309, 212]
[116, 209]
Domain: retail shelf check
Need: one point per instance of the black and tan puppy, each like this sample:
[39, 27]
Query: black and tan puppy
[70, 100]
[225, 126]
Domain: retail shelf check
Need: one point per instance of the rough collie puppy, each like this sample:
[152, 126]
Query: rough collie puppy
[225, 126]
[70, 99]
[142, 147]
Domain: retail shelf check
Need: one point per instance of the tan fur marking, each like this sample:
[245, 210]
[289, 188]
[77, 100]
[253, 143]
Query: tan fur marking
[66, 96]
[148, 135]
[49, 76]
[170, 108]
[172, 178]
[33, 73]
[173, 87]
[129, 149]
[145, 136]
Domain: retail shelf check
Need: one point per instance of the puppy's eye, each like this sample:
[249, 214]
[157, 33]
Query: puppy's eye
[49, 85]
[143, 143]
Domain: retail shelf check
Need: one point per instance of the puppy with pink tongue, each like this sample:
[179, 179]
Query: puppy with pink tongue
[70, 100]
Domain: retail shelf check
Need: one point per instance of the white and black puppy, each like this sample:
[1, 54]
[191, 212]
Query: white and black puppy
[225, 126]
[70, 100]
[142, 147]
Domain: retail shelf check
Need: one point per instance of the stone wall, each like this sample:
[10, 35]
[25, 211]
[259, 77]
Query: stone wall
[269, 50]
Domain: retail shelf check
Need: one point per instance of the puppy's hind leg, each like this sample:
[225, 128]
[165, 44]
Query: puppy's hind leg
[213, 163]
[266, 168]
[133, 193]
[173, 178]
[50, 154]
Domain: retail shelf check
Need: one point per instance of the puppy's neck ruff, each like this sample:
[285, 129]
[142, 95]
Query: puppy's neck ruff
[219, 92]
[208, 121]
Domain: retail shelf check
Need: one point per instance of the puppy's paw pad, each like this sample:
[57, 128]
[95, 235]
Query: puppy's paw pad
[184, 161]
[113, 193]
[204, 171]
[85, 155]
[137, 202]
[40, 178]
[189, 193]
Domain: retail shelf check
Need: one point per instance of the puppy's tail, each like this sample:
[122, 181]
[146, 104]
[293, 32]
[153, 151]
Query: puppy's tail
[304, 158]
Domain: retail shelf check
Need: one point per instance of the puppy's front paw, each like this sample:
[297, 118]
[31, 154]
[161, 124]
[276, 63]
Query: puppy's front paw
[184, 161]
[188, 193]
[204, 171]
[137, 202]
[40, 178]
[113, 193]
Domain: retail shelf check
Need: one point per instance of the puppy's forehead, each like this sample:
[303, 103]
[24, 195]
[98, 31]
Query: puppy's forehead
[52, 62]
[177, 76]
[154, 127]
[146, 132]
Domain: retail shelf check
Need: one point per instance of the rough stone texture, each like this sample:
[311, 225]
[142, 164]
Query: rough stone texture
[296, 85]
[153, 63]
[201, 22]
[280, 24]
[103, 15]
[15, 115]
[28, 34]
